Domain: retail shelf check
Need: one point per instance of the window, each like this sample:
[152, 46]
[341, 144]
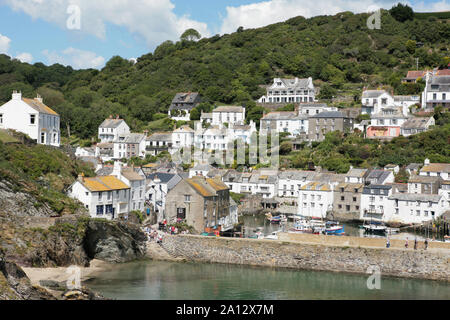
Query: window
[108, 195]
[354, 199]
[187, 198]
[347, 207]
[109, 209]
[100, 195]
[42, 137]
[426, 213]
[418, 213]
[342, 198]
[1, 118]
[99, 210]
[181, 213]
[32, 119]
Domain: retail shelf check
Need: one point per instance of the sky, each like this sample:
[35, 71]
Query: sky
[87, 33]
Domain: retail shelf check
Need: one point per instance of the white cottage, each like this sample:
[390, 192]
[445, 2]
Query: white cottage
[104, 197]
[111, 129]
[32, 117]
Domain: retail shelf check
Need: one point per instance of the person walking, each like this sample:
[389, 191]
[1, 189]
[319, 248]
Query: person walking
[415, 244]
[388, 243]
[426, 244]
[406, 243]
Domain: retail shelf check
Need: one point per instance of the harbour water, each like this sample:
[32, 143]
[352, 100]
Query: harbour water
[158, 280]
[251, 223]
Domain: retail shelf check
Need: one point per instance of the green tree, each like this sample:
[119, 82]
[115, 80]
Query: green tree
[411, 46]
[402, 12]
[190, 35]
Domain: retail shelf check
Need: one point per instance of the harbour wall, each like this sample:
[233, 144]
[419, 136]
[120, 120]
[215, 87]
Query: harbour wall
[431, 264]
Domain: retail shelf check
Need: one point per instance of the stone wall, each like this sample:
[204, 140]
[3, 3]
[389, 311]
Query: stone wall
[432, 264]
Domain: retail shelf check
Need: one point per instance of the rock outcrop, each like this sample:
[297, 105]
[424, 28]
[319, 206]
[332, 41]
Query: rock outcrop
[15, 285]
[114, 242]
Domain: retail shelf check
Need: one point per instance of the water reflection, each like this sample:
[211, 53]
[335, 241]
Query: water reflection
[156, 280]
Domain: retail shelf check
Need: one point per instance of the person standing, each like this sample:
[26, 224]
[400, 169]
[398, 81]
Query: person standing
[415, 244]
[388, 243]
[426, 244]
[406, 243]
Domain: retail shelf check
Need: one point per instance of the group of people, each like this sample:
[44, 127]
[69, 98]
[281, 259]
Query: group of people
[425, 244]
[153, 235]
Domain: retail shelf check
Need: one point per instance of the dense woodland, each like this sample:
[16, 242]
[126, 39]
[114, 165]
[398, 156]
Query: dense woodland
[339, 52]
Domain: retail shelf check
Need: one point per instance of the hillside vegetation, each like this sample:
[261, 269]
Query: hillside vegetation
[338, 51]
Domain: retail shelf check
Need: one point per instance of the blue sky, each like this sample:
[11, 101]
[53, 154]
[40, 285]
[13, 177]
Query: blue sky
[37, 30]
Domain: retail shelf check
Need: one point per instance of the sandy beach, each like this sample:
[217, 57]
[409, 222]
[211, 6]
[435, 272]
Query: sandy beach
[61, 273]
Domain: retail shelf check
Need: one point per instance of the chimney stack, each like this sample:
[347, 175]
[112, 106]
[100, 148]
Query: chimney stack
[81, 177]
[17, 95]
[38, 98]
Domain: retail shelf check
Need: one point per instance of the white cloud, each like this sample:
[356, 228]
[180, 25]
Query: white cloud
[154, 20]
[4, 44]
[264, 13]
[25, 57]
[78, 59]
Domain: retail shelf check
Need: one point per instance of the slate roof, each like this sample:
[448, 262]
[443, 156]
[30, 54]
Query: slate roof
[329, 114]
[160, 136]
[443, 83]
[236, 109]
[415, 197]
[379, 176]
[423, 179]
[164, 177]
[131, 138]
[131, 175]
[416, 123]
[284, 115]
[111, 123]
[185, 101]
[355, 172]
[372, 93]
[291, 84]
[436, 167]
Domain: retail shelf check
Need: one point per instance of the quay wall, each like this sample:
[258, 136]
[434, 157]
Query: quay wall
[432, 264]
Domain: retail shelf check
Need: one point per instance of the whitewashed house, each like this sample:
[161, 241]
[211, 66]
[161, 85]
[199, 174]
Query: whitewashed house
[416, 125]
[289, 91]
[373, 101]
[111, 129]
[206, 118]
[285, 121]
[158, 185]
[159, 142]
[104, 197]
[182, 137]
[200, 169]
[129, 145]
[136, 182]
[263, 182]
[243, 132]
[31, 117]
[228, 114]
[436, 92]
[415, 208]
[315, 199]
[290, 182]
[375, 202]
[436, 169]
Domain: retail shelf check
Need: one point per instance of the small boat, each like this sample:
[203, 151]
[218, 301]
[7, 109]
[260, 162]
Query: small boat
[272, 236]
[278, 219]
[375, 227]
[334, 228]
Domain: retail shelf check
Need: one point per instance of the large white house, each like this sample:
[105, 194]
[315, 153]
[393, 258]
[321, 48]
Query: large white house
[111, 129]
[182, 137]
[285, 121]
[32, 117]
[228, 114]
[104, 197]
[436, 92]
[373, 101]
[289, 91]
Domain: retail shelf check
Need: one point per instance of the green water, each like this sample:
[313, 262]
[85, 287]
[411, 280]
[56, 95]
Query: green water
[156, 280]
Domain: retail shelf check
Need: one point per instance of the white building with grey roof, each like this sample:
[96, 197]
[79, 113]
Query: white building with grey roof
[129, 146]
[290, 91]
[228, 114]
[436, 92]
[285, 121]
[111, 129]
[31, 117]
[417, 125]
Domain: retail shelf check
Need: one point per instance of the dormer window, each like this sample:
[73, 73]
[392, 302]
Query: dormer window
[32, 118]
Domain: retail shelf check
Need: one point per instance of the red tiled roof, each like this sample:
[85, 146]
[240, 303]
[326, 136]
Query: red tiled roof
[444, 72]
[415, 74]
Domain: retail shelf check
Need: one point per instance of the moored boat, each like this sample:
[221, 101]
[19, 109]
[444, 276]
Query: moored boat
[334, 228]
